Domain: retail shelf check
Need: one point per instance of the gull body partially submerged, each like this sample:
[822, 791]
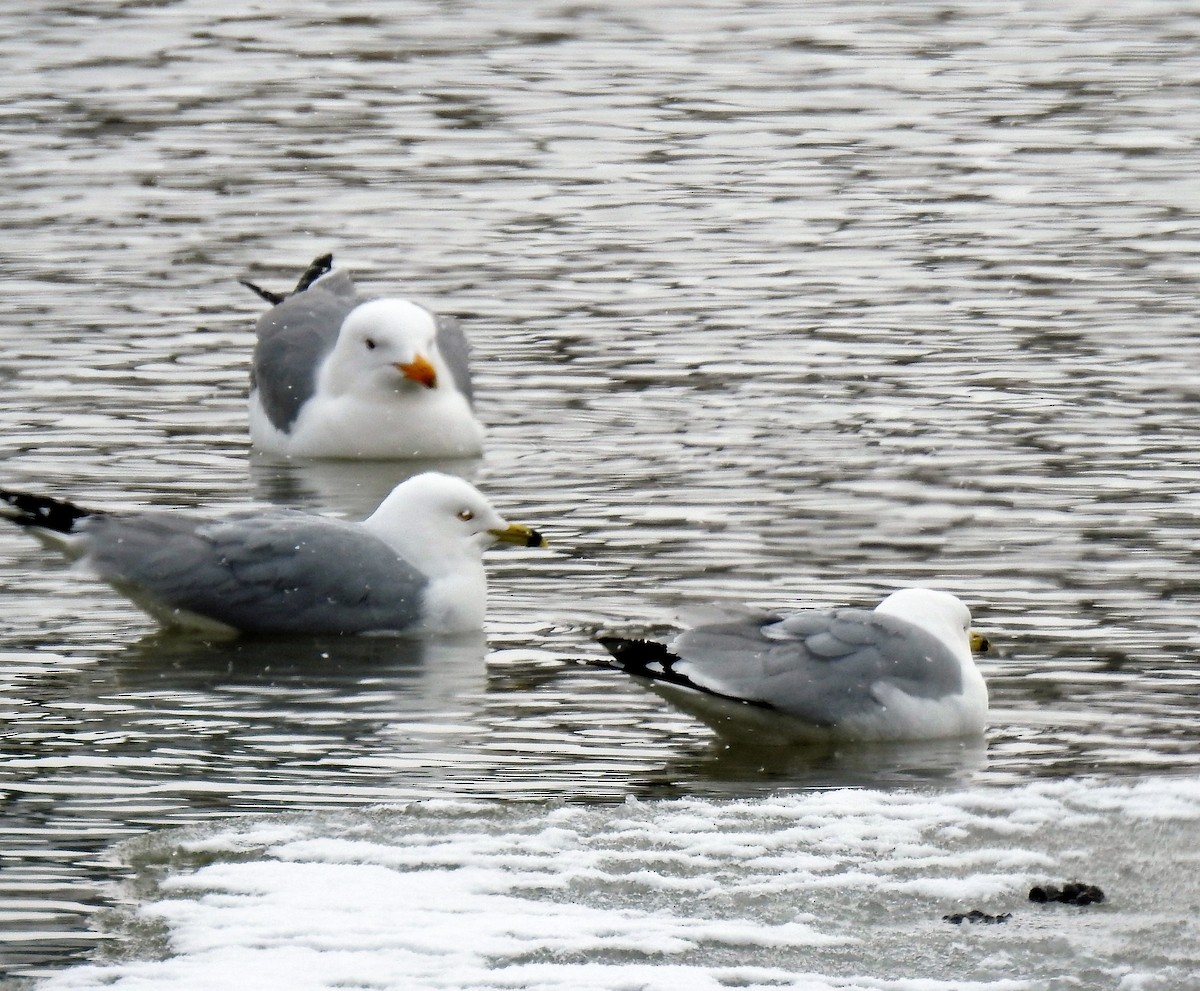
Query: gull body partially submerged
[336, 375]
[414, 566]
[903, 671]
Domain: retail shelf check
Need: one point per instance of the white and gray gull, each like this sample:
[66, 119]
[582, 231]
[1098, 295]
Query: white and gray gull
[902, 671]
[414, 566]
[336, 375]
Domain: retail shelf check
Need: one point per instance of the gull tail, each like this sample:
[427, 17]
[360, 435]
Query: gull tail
[652, 662]
[41, 512]
[318, 267]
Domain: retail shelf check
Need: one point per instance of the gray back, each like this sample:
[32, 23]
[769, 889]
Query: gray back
[280, 572]
[818, 665]
[293, 339]
[456, 351]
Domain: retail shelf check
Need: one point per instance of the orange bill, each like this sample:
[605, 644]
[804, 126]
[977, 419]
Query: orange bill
[419, 370]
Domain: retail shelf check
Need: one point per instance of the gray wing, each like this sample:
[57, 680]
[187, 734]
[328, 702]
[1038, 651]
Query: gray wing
[819, 666]
[277, 572]
[456, 351]
[293, 338]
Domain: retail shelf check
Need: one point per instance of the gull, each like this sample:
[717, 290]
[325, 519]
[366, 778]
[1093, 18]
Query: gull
[902, 671]
[414, 566]
[338, 376]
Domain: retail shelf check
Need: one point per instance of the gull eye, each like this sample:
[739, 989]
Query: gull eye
[466, 515]
[370, 342]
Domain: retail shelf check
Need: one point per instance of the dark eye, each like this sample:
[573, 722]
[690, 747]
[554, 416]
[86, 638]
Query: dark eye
[370, 343]
[466, 515]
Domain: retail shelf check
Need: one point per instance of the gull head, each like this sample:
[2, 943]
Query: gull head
[388, 345]
[939, 613]
[433, 518]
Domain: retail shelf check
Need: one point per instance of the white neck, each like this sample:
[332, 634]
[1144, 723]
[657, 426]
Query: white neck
[457, 603]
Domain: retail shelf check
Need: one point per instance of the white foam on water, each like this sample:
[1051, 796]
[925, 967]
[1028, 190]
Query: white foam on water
[840, 889]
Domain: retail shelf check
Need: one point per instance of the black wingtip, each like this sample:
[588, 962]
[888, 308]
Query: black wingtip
[637, 655]
[317, 267]
[651, 660]
[42, 511]
[274, 298]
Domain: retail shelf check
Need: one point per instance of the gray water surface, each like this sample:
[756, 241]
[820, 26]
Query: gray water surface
[772, 304]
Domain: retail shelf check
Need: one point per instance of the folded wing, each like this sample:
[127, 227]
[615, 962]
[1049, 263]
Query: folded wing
[278, 572]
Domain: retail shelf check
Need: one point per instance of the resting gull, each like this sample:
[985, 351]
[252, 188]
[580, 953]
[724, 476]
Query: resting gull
[415, 565]
[902, 671]
[339, 376]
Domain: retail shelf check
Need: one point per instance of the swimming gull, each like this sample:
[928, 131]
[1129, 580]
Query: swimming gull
[415, 565]
[336, 375]
[903, 671]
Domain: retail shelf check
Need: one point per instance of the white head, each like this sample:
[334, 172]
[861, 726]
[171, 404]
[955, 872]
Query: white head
[386, 345]
[436, 520]
[936, 612]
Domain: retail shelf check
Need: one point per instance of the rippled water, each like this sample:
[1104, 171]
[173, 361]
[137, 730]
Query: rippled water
[770, 304]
